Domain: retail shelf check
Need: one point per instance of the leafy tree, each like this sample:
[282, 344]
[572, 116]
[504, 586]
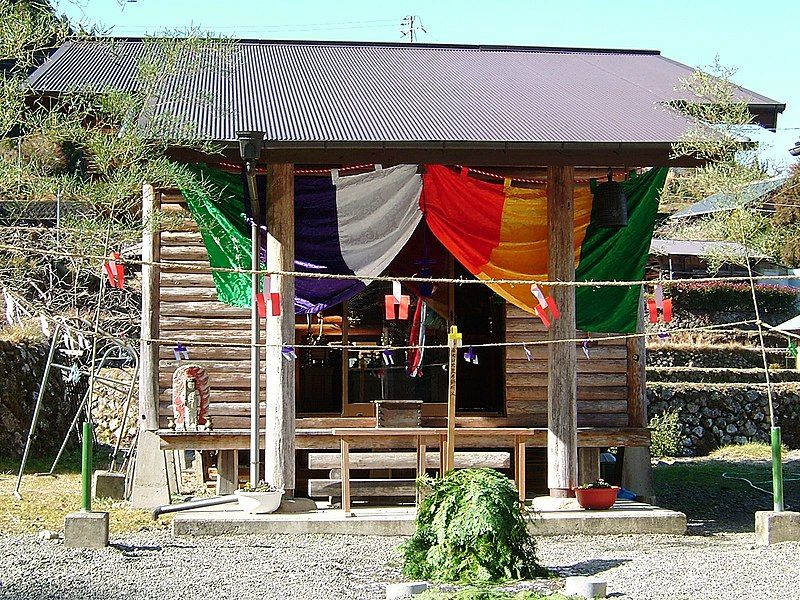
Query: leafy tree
[85, 150]
[731, 164]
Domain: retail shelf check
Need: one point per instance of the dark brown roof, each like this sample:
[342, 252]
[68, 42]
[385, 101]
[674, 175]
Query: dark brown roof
[308, 94]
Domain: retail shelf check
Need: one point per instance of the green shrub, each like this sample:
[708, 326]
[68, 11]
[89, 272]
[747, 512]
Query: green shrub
[487, 594]
[729, 297]
[665, 432]
[471, 528]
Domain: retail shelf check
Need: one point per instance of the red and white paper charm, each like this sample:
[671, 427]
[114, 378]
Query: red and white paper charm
[546, 303]
[659, 303]
[272, 298]
[115, 271]
[397, 304]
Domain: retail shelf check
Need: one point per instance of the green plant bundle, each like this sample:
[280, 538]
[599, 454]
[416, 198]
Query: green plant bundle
[665, 431]
[471, 528]
[597, 484]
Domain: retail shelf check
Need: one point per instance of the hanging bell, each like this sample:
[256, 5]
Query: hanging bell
[610, 206]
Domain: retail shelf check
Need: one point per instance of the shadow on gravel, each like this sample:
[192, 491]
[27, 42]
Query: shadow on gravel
[135, 551]
[590, 567]
[714, 503]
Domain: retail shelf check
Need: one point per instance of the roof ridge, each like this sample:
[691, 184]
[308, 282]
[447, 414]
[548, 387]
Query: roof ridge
[372, 44]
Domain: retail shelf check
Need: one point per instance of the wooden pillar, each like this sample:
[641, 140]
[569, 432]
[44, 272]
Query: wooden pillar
[148, 359]
[636, 378]
[227, 472]
[562, 440]
[588, 465]
[345, 360]
[279, 443]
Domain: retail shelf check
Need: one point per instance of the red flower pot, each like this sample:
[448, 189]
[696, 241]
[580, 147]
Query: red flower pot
[597, 498]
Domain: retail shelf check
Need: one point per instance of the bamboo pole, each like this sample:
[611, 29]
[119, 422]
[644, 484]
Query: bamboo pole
[453, 341]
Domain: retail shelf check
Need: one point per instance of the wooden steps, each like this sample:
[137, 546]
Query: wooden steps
[407, 460]
[362, 488]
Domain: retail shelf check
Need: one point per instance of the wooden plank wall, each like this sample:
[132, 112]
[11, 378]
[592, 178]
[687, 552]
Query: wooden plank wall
[602, 379]
[190, 313]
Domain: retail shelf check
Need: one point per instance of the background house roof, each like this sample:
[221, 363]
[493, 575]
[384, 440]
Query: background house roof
[377, 95]
[722, 201]
[701, 248]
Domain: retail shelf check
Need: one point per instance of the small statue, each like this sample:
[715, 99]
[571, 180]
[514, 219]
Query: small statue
[171, 423]
[192, 402]
[208, 424]
[190, 398]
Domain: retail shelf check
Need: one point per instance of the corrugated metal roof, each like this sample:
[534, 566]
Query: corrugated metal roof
[314, 93]
[701, 248]
[722, 201]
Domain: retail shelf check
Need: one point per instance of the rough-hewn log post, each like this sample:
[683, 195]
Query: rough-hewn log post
[636, 470]
[562, 438]
[636, 381]
[279, 446]
[150, 485]
[148, 360]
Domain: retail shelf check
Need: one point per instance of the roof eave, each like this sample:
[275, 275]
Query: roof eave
[523, 154]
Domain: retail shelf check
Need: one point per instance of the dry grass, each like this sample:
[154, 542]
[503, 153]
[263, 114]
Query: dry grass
[46, 501]
[749, 451]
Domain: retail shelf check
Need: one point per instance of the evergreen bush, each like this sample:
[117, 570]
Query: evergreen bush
[731, 297]
[471, 528]
[665, 432]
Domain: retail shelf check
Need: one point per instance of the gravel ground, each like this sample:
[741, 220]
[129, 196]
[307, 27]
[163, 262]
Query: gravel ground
[156, 565]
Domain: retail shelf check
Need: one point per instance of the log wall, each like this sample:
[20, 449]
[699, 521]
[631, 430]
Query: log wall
[190, 313]
[602, 379]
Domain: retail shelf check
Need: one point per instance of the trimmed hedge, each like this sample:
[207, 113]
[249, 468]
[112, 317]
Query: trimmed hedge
[732, 297]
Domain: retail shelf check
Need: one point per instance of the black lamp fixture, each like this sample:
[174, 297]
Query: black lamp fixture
[610, 206]
[250, 144]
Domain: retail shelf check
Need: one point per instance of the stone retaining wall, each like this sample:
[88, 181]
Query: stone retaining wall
[109, 406]
[21, 367]
[712, 415]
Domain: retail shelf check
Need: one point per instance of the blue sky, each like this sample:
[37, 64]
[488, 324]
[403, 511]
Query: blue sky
[759, 43]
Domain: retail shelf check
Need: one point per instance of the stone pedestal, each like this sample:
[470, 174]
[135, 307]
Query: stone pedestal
[106, 484]
[395, 591]
[585, 587]
[775, 527]
[86, 530]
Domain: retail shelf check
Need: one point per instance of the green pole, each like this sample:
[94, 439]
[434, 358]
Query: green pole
[86, 468]
[777, 471]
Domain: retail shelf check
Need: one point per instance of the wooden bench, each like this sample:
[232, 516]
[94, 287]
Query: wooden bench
[362, 488]
[407, 460]
[373, 488]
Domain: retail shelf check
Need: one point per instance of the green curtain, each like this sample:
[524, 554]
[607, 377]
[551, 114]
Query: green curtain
[618, 255]
[225, 232]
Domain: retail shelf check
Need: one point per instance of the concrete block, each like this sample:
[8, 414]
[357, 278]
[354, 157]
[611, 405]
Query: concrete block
[637, 473]
[775, 527]
[86, 530]
[585, 587]
[150, 487]
[405, 590]
[106, 484]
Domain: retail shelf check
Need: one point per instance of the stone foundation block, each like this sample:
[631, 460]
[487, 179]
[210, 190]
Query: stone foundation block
[585, 587]
[86, 530]
[395, 591]
[775, 527]
[106, 484]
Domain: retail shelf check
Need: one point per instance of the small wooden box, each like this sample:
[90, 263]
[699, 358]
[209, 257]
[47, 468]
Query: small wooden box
[398, 413]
